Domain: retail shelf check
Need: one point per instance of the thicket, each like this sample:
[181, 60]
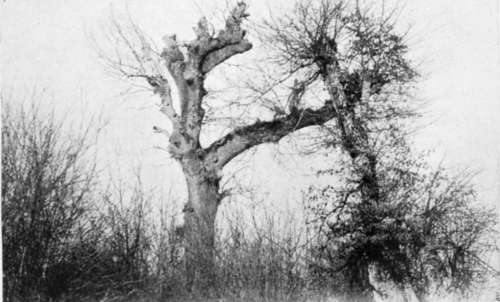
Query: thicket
[67, 239]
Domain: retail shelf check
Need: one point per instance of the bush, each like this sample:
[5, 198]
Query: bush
[46, 184]
[426, 231]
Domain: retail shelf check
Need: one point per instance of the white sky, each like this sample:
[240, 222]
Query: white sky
[45, 44]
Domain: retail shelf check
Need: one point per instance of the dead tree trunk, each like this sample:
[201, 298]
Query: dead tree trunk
[188, 64]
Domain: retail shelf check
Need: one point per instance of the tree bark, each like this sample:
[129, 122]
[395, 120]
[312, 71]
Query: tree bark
[199, 229]
[188, 65]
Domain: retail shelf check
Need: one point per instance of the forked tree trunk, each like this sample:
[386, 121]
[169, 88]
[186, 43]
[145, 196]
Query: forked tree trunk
[203, 166]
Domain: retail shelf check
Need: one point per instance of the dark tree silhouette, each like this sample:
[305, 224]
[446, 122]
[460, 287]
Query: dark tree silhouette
[361, 61]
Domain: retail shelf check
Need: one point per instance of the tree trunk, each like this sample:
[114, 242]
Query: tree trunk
[199, 226]
[355, 141]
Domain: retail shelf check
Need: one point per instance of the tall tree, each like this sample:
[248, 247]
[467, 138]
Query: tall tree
[379, 223]
[361, 61]
[188, 65]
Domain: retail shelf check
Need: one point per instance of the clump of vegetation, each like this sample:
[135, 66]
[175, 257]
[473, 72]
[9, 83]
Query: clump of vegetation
[46, 192]
[389, 218]
[57, 239]
[427, 232]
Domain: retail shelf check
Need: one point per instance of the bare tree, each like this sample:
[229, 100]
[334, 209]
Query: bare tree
[187, 66]
[47, 179]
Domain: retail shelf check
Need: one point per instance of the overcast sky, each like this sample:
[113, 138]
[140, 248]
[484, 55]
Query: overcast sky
[46, 44]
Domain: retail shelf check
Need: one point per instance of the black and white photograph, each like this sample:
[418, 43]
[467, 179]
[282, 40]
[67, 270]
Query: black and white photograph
[250, 150]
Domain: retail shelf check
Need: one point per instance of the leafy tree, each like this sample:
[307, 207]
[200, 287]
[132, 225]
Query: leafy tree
[375, 222]
[361, 61]
[427, 231]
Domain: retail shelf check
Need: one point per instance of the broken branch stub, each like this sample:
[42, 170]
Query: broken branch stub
[188, 63]
[207, 51]
[296, 94]
[173, 56]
